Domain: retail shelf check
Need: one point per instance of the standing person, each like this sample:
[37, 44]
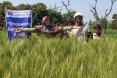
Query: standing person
[79, 29]
[46, 28]
[98, 32]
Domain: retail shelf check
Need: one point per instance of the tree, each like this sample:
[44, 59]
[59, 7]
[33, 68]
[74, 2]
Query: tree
[57, 8]
[56, 16]
[114, 16]
[114, 22]
[109, 25]
[67, 16]
[24, 7]
[39, 11]
[96, 15]
[66, 5]
[70, 12]
[3, 6]
[93, 23]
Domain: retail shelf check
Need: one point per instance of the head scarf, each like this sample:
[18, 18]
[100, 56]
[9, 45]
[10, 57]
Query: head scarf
[44, 18]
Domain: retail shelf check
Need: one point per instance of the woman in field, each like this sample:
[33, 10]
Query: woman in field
[46, 28]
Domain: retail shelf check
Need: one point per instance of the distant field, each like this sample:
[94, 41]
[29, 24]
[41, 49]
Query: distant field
[56, 58]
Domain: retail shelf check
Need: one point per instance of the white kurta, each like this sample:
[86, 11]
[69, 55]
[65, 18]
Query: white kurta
[95, 37]
[79, 33]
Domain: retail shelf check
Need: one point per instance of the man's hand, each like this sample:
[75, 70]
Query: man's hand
[18, 30]
[59, 28]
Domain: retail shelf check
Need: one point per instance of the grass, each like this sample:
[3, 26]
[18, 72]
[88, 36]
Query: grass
[56, 58]
[112, 34]
[2, 32]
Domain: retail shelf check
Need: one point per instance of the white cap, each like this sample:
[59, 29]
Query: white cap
[78, 14]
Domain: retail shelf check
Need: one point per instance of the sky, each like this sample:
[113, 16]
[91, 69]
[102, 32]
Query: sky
[82, 6]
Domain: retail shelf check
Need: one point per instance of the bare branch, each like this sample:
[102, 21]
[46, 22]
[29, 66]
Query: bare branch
[107, 14]
[95, 3]
[94, 11]
[66, 5]
[95, 14]
[68, 2]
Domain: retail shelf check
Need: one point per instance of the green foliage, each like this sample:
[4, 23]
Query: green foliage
[114, 16]
[114, 24]
[24, 7]
[56, 17]
[39, 11]
[104, 22]
[92, 24]
[68, 16]
[3, 6]
[109, 25]
[56, 58]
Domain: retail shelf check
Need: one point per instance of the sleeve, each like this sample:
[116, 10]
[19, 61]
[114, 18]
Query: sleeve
[86, 29]
[29, 29]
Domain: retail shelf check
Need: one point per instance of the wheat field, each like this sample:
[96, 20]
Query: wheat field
[43, 57]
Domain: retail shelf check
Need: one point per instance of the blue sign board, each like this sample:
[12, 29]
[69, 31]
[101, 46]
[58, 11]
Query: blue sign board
[18, 19]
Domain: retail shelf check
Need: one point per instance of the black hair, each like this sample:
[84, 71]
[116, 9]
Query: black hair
[70, 21]
[98, 26]
[88, 35]
[78, 16]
